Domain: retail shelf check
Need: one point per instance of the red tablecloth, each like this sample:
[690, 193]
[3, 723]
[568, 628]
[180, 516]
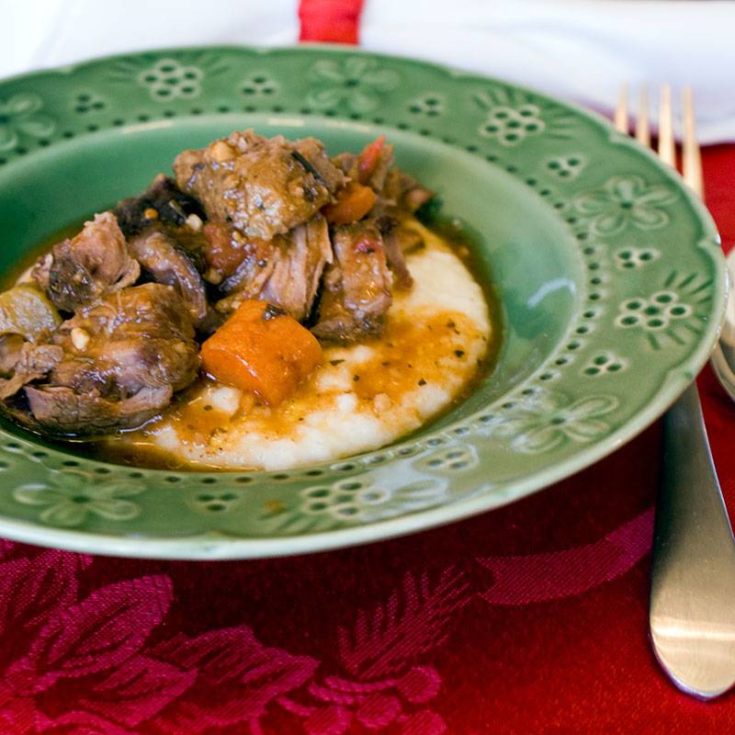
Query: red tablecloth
[529, 619]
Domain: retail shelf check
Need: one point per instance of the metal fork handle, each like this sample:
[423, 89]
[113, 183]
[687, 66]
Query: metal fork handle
[692, 602]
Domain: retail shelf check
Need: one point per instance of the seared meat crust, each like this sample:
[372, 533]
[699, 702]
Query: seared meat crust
[123, 358]
[357, 285]
[94, 263]
[262, 187]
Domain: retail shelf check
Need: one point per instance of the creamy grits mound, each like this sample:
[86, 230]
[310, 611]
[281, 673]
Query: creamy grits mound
[360, 398]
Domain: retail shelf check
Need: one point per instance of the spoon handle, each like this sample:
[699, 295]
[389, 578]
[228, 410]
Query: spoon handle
[692, 614]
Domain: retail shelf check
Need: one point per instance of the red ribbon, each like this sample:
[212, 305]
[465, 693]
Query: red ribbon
[330, 21]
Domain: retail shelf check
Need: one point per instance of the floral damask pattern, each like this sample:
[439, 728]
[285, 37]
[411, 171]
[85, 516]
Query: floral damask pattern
[79, 657]
[92, 655]
[20, 117]
[381, 687]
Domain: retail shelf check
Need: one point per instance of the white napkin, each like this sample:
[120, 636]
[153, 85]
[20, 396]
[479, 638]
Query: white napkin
[581, 50]
[36, 34]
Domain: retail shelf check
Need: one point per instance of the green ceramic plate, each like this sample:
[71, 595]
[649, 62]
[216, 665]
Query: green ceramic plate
[609, 275]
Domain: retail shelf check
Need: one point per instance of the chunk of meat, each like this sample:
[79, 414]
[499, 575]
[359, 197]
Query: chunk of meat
[23, 362]
[284, 272]
[123, 358]
[94, 263]
[258, 259]
[170, 265]
[404, 192]
[298, 268]
[162, 204]
[10, 347]
[393, 241]
[63, 411]
[141, 337]
[27, 319]
[357, 285]
[262, 187]
[224, 250]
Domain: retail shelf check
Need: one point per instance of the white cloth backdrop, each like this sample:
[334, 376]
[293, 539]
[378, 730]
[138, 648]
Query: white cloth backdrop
[577, 49]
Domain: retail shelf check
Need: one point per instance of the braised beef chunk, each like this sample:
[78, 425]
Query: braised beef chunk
[142, 336]
[262, 187]
[295, 279]
[62, 411]
[123, 358]
[223, 251]
[285, 271]
[23, 362]
[393, 241]
[168, 264]
[257, 261]
[94, 263]
[10, 350]
[163, 203]
[403, 191]
[357, 285]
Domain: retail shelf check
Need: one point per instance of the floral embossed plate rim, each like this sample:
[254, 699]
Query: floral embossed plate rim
[645, 286]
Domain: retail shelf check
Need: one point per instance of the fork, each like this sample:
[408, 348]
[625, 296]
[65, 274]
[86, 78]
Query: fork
[692, 606]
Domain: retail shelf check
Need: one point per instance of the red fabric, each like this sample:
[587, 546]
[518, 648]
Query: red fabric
[529, 619]
[330, 21]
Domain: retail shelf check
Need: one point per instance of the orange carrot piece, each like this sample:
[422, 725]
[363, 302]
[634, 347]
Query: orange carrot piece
[370, 158]
[260, 349]
[353, 203]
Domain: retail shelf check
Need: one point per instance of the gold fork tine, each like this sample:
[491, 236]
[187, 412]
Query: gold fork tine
[691, 159]
[620, 119]
[642, 126]
[666, 150]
